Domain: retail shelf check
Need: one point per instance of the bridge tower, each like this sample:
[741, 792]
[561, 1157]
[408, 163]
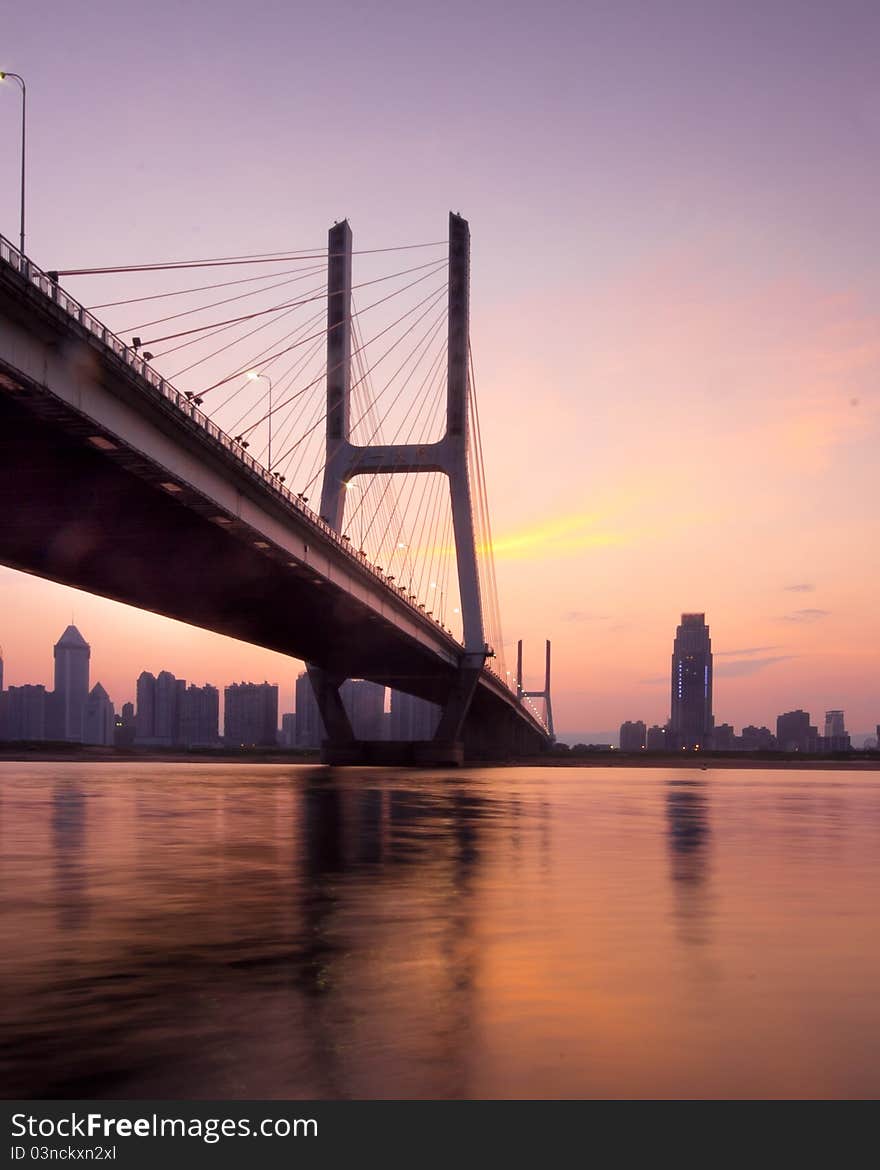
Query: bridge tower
[449, 456]
[545, 694]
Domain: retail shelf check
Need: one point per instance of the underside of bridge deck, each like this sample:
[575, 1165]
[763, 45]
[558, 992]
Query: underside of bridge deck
[102, 521]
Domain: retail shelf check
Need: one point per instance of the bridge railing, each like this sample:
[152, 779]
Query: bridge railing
[51, 289]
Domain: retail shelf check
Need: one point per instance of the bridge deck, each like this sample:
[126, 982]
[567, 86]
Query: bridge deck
[113, 482]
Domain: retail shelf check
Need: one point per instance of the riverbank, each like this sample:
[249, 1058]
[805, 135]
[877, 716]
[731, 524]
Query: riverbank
[84, 753]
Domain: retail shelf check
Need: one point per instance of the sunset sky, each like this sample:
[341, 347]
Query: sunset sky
[675, 297]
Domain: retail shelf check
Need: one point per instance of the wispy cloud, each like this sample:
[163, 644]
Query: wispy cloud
[743, 666]
[805, 615]
[743, 653]
[559, 537]
[579, 615]
[654, 682]
[799, 588]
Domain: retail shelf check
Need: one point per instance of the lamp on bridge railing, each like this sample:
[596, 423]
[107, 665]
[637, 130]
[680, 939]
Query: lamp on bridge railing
[253, 375]
[189, 395]
[17, 77]
[242, 441]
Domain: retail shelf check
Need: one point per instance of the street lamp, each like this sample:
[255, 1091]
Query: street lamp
[252, 377]
[17, 77]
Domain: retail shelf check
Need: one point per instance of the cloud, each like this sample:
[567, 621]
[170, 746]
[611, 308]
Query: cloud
[805, 615]
[559, 537]
[743, 666]
[654, 682]
[799, 588]
[743, 653]
[579, 615]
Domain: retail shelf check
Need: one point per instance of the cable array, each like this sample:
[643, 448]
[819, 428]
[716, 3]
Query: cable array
[251, 351]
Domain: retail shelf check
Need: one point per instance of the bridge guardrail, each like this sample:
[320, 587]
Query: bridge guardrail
[53, 291]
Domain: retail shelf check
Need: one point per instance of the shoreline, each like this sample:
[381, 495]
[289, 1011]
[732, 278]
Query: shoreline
[604, 759]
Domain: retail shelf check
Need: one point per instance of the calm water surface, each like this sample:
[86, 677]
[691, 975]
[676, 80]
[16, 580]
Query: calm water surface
[271, 931]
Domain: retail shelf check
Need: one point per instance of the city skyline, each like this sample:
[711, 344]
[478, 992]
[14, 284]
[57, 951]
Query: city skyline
[300, 696]
[677, 376]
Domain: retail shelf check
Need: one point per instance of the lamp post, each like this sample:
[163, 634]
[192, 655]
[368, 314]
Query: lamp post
[253, 375]
[17, 77]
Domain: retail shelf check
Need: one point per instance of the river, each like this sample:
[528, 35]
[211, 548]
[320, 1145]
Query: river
[273, 931]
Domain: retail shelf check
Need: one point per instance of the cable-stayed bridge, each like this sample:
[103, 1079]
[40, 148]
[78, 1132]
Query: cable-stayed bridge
[319, 490]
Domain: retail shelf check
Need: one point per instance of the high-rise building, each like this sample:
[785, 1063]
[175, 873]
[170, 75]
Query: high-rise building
[834, 724]
[723, 737]
[199, 716]
[125, 726]
[365, 704]
[99, 718]
[26, 710]
[754, 739]
[691, 716]
[3, 703]
[72, 653]
[633, 735]
[794, 732]
[158, 709]
[145, 719]
[309, 725]
[656, 739]
[168, 694]
[412, 718]
[251, 715]
[288, 729]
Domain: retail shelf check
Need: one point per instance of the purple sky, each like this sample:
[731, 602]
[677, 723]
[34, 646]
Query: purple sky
[675, 235]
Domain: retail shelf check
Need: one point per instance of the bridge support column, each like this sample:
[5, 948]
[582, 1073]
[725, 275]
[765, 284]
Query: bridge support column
[340, 746]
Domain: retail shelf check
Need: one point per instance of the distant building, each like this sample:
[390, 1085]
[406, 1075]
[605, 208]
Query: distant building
[309, 725]
[756, 739]
[3, 701]
[723, 738]
[99, 718]
[794, 732]
[656, 739]
[145, 720]
[251, 715]
[365, 703]
[199, 716]
[691, 718]
[169, 691]
[288, 730]
[834, 724]
[72, 653]
[412, 718]
[26, 712]
[159, 702]
[633, 736]
[125, 726]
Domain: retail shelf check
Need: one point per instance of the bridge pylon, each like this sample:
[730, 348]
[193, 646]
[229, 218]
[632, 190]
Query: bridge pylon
[545, 694]
[449, 456]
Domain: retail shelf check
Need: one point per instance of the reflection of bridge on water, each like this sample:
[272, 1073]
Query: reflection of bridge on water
[113, 481]
[322, 935]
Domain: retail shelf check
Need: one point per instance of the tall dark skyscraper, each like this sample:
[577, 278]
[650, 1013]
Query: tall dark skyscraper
[691, 721]
[72, 654]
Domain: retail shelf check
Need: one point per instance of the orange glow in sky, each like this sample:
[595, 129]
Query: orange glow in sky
[675, 306]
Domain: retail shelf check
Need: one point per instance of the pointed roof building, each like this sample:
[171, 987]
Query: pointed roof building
[72, 638]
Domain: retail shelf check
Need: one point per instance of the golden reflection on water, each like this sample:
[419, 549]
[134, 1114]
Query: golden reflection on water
[270, 931]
